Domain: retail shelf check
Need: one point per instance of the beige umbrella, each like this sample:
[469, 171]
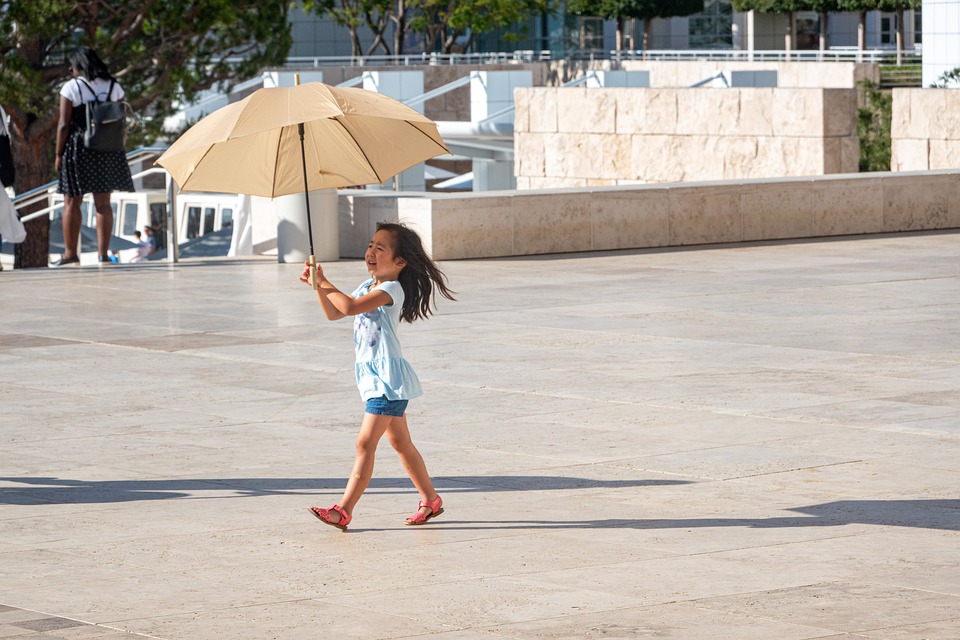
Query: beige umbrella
[280, 141]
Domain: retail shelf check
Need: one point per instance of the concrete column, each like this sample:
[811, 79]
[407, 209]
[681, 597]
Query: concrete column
[491, 101]
[399, 85]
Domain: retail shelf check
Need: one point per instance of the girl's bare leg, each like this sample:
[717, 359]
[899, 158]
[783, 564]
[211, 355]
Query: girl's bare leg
[398, 435]
[371, 430]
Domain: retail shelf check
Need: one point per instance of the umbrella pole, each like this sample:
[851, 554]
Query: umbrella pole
[306, 199]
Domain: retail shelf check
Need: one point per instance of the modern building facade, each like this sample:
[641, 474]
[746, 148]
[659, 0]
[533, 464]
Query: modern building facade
[716, 27]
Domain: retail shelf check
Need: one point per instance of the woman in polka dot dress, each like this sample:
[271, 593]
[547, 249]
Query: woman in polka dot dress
[82, 170]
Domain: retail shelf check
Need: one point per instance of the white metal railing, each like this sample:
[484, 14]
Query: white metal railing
[838, 54]
[44, 192]
[418, 59]
[833, 54]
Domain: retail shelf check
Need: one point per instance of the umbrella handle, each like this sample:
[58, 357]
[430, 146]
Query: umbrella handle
[313, 273]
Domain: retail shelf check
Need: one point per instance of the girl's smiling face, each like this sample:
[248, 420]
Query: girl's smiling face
[382, 263]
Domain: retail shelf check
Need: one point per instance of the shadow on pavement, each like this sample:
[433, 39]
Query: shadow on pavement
[48, 490]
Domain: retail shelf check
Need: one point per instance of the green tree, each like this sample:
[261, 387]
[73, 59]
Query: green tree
[873, 126]
[646, 10]
[444, 22]
[824, 7]
[162, 52]
[898, 7]
[863, 6]
[352, 15]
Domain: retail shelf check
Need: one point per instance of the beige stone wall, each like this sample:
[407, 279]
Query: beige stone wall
[925, 130]
[577, 137]
[512, 223]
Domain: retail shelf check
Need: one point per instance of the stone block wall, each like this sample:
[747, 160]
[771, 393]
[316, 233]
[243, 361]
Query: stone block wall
[925, 130]
[578, 137]
[515, 223]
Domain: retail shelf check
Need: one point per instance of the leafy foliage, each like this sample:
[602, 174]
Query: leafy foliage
[161, 51]
[947, 79]
[641, 9]
[441, 22]
[873, 126]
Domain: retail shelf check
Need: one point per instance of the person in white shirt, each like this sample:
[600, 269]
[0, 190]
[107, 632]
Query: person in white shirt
[83, 170]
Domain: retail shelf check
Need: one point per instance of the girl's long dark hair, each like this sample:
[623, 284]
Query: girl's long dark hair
[86, 61]
[420, 278]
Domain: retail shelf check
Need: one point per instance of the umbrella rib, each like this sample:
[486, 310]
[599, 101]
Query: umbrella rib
[276, 165]
[424, 133]
[356, 143]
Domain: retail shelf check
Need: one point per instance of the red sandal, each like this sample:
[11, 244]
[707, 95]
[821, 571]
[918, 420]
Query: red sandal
[436, 508]
[324, 516]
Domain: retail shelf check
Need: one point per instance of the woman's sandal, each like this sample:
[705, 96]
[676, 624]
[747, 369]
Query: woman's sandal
[436, 508]
[324, 516]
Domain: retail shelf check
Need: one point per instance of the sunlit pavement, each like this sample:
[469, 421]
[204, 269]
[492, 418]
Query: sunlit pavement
[742, 442]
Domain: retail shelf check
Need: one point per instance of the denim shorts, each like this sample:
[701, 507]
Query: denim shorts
[383, 407]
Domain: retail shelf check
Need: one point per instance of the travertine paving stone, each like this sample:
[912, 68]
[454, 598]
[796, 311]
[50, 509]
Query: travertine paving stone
[740, 442]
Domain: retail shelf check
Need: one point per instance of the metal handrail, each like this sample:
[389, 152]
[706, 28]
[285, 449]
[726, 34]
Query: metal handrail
[439, 91]
[47, 193]
[44, 191]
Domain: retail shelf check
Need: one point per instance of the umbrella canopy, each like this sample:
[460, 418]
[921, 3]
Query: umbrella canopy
[351, 137]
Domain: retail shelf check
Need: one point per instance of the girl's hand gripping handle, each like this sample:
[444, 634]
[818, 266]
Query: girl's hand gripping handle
[314, 280]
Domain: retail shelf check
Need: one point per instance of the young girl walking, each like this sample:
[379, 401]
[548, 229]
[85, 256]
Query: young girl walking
[402, 284]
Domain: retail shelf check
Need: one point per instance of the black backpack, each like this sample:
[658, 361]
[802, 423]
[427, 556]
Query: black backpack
[104, 128]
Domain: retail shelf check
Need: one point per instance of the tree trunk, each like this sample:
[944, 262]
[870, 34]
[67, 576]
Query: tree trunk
[355, 42]
[861, 35]
[824, 36]
[400, 27]
[33, 170]
[899, 36]
[647, 30]
[788, 39]
[619, 43]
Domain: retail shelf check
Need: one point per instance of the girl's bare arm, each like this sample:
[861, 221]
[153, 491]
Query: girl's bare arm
[336, 304]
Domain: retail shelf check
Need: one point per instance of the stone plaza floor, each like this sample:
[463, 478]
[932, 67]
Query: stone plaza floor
[751, 442]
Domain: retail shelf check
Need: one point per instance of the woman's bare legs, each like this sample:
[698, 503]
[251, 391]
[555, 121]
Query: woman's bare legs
[71, 225]
[101, 202]
[398, 435]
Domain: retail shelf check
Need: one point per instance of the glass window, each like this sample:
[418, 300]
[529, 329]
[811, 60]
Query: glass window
[158, 220]
[158, 215]
[130, 210]
[591, 33]
[712, 28]
[193, 222]
[209, 219]
[226, 217]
